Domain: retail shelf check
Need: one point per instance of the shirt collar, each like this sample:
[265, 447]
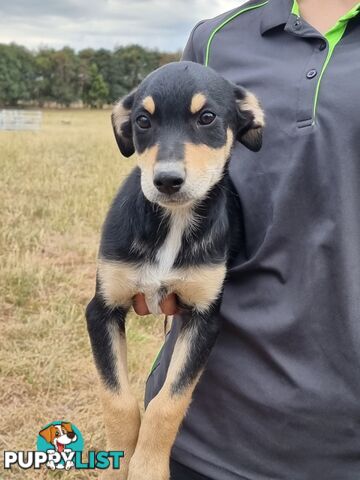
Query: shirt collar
[275, 13]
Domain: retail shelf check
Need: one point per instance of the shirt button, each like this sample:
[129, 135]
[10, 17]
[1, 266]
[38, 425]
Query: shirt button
[311, 74]
[322, 45]
[297, 24]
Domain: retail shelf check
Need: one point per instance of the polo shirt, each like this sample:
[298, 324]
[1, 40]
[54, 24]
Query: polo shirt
[280, 396]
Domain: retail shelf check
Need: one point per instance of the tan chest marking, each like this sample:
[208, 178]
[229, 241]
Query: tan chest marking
[117, 282]
[201, 286]
[196, 286]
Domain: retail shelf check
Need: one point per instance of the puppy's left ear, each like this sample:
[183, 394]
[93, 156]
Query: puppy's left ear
[121, 123]
[67, 426]
[251, 119]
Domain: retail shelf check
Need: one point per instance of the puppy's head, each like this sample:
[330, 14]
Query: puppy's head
[59, 435]
[182, 122]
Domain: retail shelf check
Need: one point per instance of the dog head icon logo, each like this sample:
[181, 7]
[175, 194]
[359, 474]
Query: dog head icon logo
[61, 440]
[59, 435]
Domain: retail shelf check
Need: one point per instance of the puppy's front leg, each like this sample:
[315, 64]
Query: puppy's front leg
[166, 411]
[106, 328]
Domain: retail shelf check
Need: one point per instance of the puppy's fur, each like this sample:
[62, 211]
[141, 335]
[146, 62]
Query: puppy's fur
[173, 227]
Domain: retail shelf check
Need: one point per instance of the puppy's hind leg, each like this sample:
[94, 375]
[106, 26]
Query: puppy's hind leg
[106, 327]
[166, 411]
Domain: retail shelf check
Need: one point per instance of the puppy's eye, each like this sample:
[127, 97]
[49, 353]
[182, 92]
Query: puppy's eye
[206, 118]
[143, 121]
[57, 434]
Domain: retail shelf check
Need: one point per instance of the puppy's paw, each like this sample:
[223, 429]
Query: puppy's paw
[51, 465]
[69, 464]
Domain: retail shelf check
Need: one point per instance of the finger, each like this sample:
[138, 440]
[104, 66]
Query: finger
[139, 304]
[169, 305]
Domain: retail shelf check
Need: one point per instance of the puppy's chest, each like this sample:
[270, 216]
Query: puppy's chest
[173, 269]
[159, 277]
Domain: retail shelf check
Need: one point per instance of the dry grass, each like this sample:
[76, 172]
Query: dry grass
[55, 187]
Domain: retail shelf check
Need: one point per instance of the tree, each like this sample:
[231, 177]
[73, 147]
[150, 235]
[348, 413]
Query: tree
[65, 82]
[130, 65]
[44, 69]
[95, 91]
[103, 60]
[169, 57]
[64, 76]
[17, 74]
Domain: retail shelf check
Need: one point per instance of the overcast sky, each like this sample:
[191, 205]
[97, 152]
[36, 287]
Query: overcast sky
[164, 24]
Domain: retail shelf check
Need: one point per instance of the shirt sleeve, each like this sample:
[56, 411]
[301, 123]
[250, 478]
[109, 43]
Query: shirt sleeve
[192, 51]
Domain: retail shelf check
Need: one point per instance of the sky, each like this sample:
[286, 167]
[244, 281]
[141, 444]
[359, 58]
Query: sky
[162, 24]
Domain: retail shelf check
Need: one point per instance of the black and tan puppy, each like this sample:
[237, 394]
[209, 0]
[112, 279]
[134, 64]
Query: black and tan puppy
[173, 227]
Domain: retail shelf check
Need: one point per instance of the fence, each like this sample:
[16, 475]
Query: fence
[20, 120]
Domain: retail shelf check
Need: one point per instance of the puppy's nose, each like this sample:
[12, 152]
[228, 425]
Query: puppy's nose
[71, 434]
[168, 182]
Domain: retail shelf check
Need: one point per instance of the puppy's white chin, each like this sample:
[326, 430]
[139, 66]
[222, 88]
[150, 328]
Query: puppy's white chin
[173, 204]
[176, 200]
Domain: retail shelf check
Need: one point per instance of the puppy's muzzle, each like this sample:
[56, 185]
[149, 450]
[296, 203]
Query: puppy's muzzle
[168, 182]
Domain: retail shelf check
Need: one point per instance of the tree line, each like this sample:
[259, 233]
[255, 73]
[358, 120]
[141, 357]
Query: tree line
[93, 77]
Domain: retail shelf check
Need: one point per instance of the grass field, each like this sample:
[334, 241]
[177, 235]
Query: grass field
[55, 187]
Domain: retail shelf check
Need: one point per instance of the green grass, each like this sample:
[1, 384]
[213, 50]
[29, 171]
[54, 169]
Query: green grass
[55, 188]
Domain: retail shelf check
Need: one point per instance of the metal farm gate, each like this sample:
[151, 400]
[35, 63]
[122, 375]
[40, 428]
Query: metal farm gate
[20, 119]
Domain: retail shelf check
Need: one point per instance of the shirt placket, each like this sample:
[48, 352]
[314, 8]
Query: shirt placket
[307, 85]
[322, 51]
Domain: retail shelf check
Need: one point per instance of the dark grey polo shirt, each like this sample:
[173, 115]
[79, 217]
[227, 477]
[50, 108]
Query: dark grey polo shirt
[280, 396]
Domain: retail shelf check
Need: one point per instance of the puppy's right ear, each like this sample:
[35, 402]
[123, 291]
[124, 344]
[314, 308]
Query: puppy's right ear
[121, 123]
[48, 433]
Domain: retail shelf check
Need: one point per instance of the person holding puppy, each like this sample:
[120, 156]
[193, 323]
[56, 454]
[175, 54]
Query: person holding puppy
[279, 398]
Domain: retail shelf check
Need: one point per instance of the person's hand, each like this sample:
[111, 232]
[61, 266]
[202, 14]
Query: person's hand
[168, 306]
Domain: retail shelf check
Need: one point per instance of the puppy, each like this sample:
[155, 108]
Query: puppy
[174, 226]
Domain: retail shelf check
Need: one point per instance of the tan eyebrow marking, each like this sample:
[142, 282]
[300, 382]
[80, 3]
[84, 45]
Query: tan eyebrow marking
[197, 102]
[149, 104]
